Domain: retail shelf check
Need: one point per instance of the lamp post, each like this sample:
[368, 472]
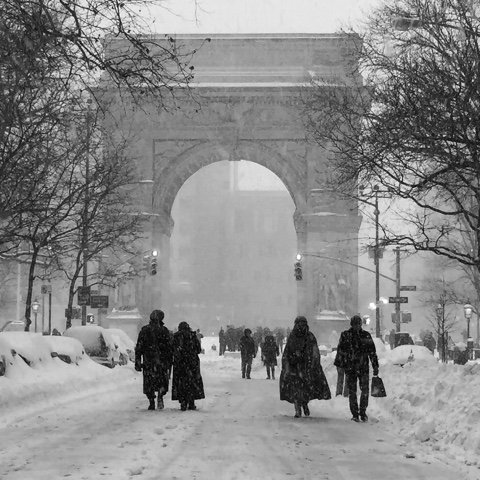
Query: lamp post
[377, 305]
[468, 310]
[35, 307]
[377, 249]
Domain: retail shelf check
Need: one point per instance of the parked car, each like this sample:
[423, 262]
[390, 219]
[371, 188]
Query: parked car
[125, 344]
[403, 338]
[13, 326]
[7, 353]
[98, 342]
[409, 353]
[30, 346]
[67, 349]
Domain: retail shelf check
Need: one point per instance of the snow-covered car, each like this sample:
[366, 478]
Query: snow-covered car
[31, 347]
[67, 349]
[13, 326]
[125, 344]
[7, 352]
[409, 353]
[98, 342]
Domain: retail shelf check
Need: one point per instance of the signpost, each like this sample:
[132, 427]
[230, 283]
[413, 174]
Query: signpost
[397, 299]
[405, 317]
[83, 296]
[99, 301]
[408, 288]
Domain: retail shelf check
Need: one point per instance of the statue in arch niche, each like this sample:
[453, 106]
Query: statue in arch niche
[333, 287]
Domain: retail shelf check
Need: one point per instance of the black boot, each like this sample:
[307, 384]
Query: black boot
[183, 406]
[298, 410]
[306, 410]
[273, 373]
[191, 405]
[160, 402]
[151, 406]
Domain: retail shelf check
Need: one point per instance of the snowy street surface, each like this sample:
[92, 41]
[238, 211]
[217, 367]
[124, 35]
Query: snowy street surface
[240, 431]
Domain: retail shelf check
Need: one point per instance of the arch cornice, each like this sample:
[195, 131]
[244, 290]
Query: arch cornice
[291, 171]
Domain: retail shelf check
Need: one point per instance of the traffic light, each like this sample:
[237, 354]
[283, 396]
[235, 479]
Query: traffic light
[146, 262]
[298, 271]
[153, 266]
[90, 318]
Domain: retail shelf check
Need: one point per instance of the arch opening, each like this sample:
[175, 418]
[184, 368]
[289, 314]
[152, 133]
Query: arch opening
[232, 248]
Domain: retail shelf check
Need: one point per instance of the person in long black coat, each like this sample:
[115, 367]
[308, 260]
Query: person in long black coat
[270, 351]
[153, 355]
[354, 353]
[187, 383]
[248, 351]
[302, 378]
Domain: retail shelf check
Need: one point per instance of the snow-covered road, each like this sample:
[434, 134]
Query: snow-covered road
[240, 431]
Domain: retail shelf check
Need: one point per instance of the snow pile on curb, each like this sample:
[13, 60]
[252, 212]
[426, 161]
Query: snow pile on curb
[429, 403]
[436, 404]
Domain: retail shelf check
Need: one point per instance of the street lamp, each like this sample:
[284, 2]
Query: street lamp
[468, 310]
[35, 307]
[377, 248]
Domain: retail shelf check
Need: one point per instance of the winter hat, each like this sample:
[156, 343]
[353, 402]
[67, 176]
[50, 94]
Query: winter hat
[157, 315]
[247, 330]
[300, 319]
[355, 320]
[183, 326]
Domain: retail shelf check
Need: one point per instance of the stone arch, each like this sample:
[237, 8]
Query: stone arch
[192, 159]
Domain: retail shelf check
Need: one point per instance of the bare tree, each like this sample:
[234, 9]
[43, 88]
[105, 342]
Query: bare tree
[51, 53]
[408, 120]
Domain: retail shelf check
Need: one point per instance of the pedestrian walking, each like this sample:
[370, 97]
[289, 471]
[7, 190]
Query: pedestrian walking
[153, 355]
[221, 341]
[200, 336]
[187, 383]
[247, 352]
[354, 353]
[270, 352]
[302, 378]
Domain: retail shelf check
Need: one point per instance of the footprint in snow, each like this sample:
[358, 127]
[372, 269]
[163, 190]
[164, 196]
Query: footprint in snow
[158, 431]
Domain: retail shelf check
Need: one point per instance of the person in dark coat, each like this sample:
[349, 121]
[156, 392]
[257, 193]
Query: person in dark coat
[302, 378]
[221, 341]
[187, 383]
[355, 350]
[153, 355]
[247, 352]
[270, 351]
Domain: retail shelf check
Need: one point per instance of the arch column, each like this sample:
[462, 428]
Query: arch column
[330, 272]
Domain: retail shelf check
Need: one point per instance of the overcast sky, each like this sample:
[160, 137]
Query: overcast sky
[258, 16]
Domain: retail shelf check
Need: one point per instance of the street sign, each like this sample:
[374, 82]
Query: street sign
[46, 289]
[397, 299]
[405, 317]
[99, 301]
[83, 296]
[408, 288]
